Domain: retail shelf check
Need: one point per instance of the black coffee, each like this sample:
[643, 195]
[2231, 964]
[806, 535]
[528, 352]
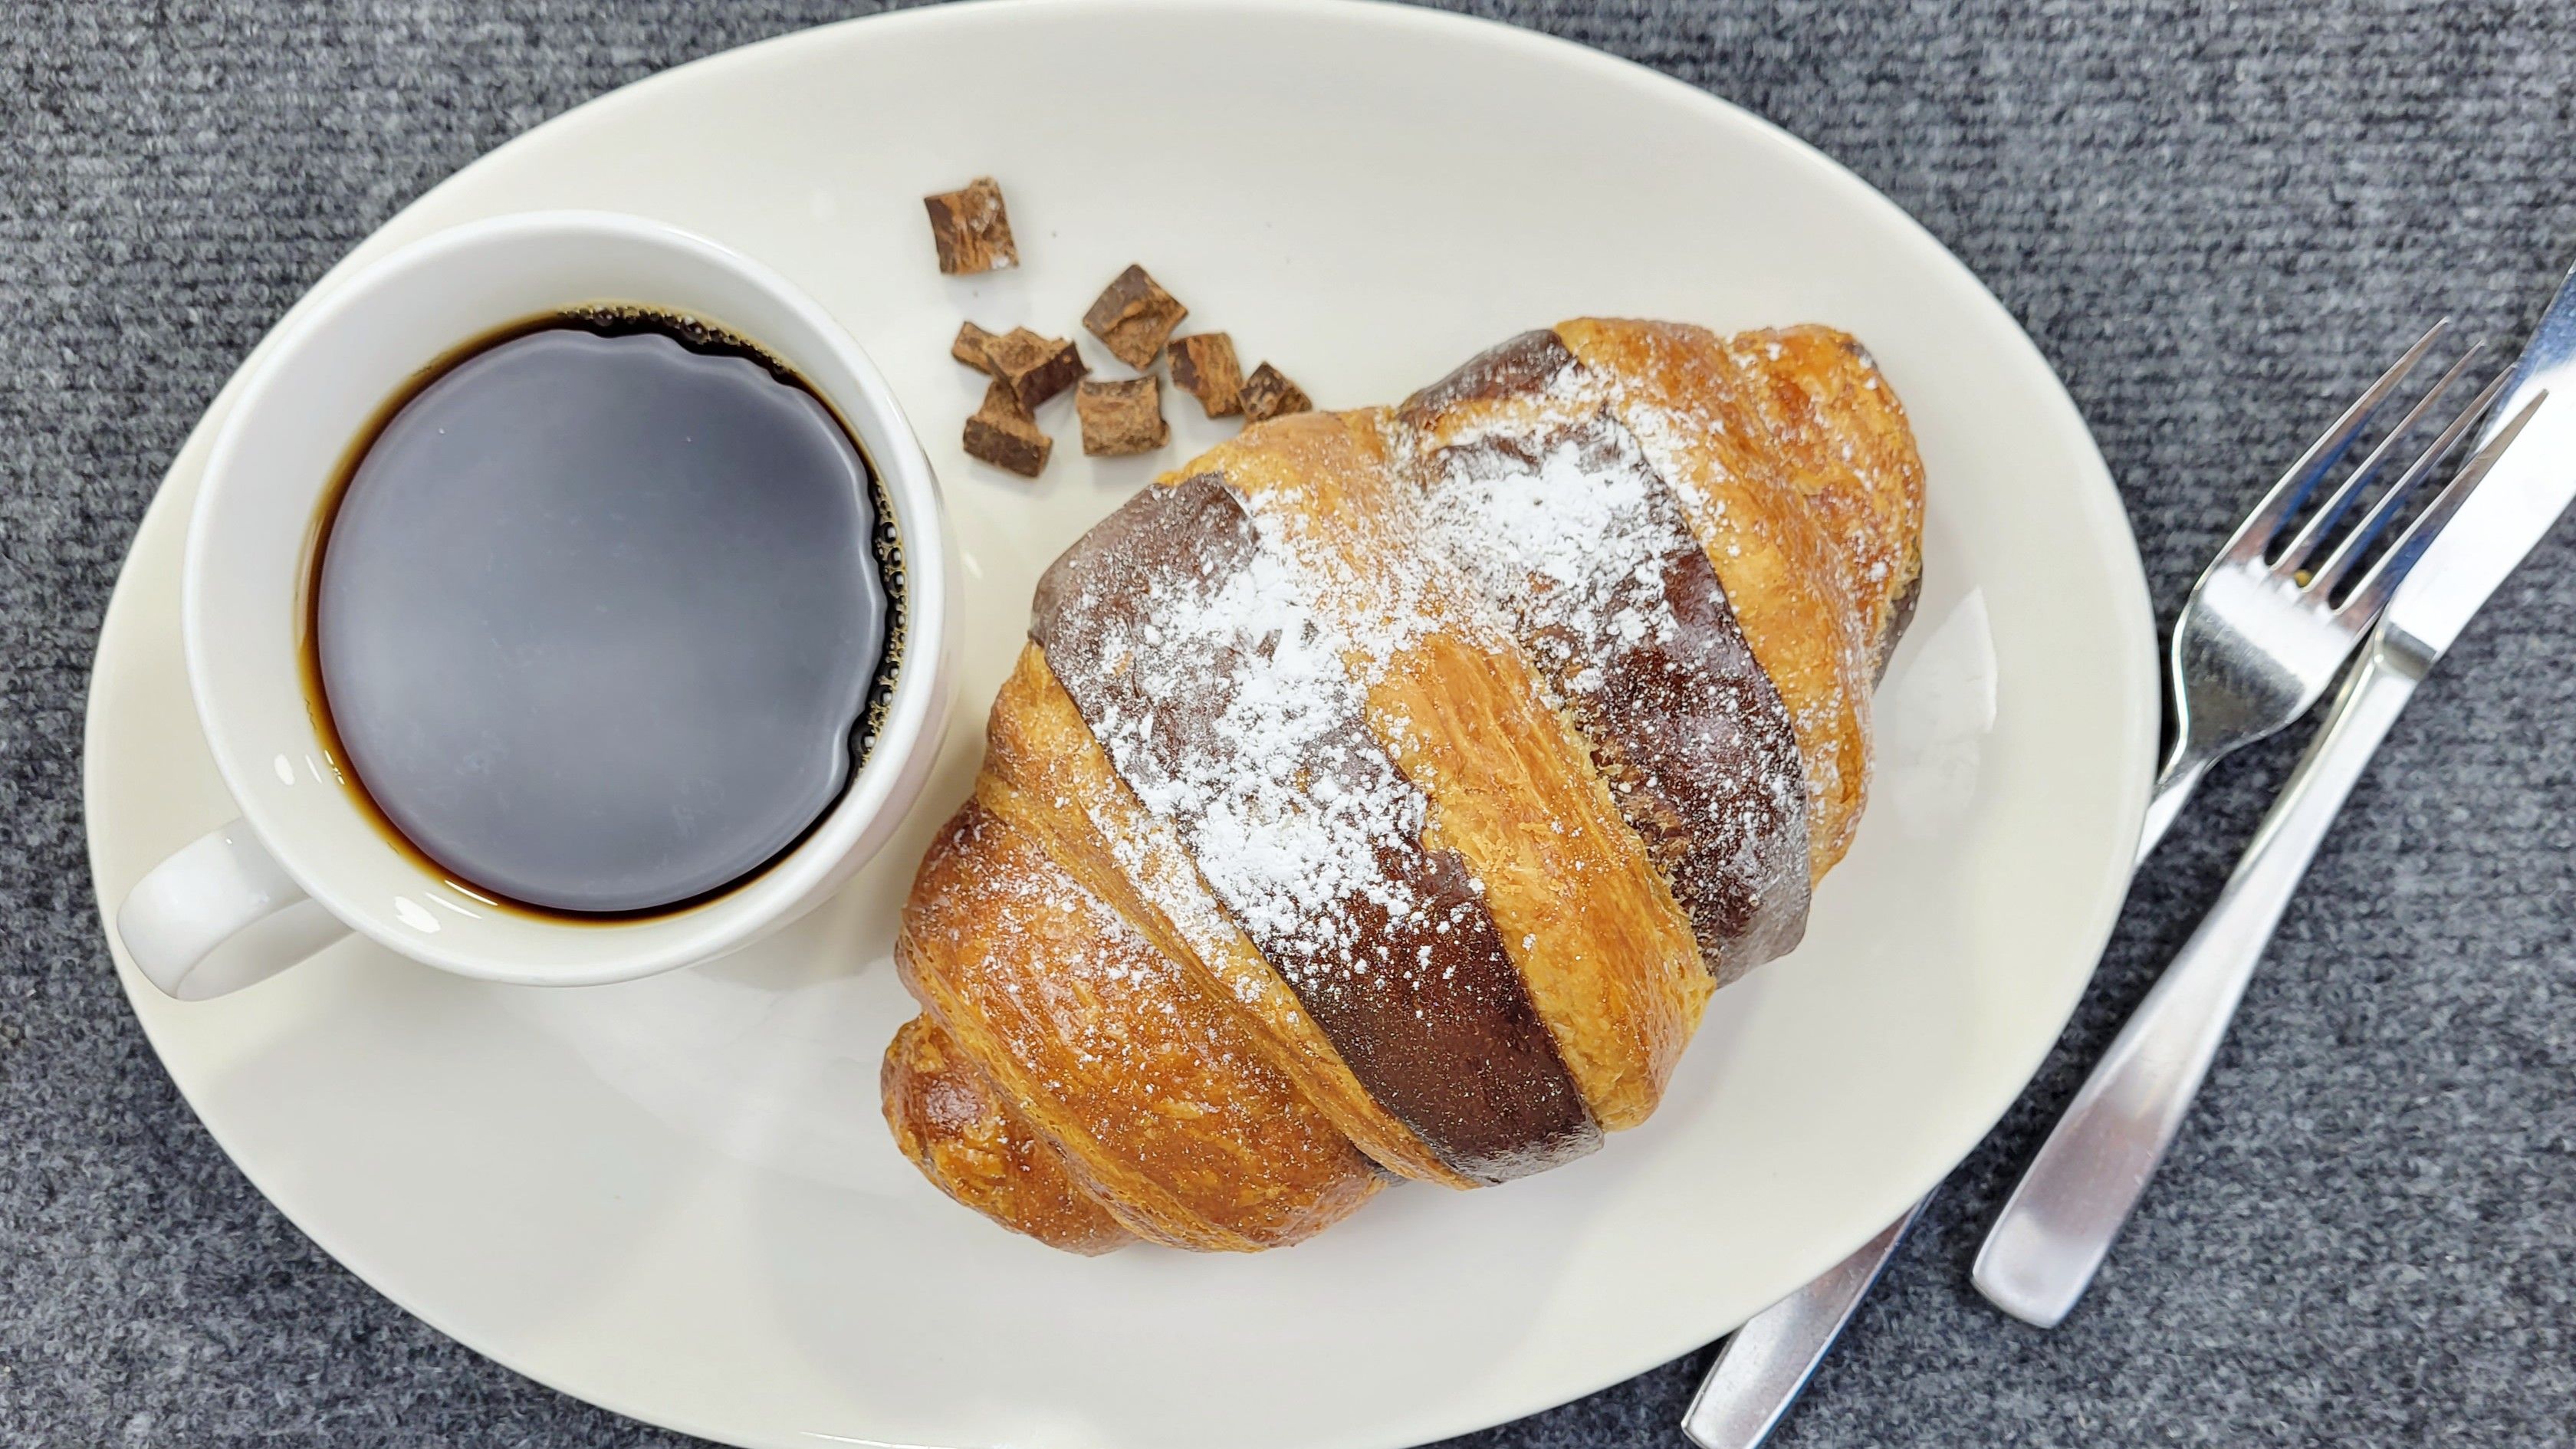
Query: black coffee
[599, 614]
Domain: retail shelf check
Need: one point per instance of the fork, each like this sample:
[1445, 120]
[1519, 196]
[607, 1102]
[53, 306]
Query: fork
[2058, 1225]
[2261, 636]
[2255, 647]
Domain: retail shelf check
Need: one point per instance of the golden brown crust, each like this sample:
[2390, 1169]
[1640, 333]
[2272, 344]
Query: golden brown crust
[965, 1138]
[1790, 581]
[1163, 1109]
[1193, 644]
[1106, 1050]
[1041, 753]
[1608, 957]
[1841, 434]
[1529, 481]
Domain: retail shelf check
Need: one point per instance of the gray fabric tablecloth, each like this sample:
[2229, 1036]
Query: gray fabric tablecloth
[2216, 219]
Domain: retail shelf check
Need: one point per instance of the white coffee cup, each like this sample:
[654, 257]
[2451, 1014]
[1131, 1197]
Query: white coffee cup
[305, 833]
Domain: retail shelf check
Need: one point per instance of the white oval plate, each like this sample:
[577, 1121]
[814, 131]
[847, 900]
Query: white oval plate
[675, 1198]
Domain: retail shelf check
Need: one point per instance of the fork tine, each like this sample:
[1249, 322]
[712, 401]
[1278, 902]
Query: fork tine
[2260, 527]
[2376, 586]
[2292, 558]
[2322, 582]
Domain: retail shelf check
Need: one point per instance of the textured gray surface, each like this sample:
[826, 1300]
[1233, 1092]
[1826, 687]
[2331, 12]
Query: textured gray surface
[2215, 220]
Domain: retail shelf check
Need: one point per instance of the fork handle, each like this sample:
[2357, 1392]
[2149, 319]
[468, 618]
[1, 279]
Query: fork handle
[1763, 1367]
[2052, 1234]
[2174, 785]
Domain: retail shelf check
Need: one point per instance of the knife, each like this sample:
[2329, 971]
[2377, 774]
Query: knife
[2053, 1232]
[1763, 1368]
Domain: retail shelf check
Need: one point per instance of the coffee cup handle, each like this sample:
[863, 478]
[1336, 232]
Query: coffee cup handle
[209, 892]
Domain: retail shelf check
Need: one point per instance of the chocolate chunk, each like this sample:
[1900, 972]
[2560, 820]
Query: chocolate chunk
[1203, 366]
[969, 347]
[1037, 368]
[972, 229]
[1133, 317]
[1121, 417]
[1003, 434]
[1269, 394]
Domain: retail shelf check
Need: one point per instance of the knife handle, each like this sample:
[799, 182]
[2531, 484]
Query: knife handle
[2053, 1232]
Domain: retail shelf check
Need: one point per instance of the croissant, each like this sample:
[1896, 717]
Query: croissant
[1383, 794]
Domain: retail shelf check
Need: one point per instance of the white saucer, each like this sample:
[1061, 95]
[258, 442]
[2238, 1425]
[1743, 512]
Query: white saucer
[675, 1198]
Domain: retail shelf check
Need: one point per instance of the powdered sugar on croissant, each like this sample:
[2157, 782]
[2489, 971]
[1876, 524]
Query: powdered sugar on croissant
[1383, 793]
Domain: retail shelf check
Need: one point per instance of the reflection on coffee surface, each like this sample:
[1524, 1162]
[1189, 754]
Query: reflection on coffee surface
[600, 612]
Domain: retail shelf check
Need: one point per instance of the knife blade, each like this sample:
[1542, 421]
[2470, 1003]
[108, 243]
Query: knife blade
[2516, 504]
